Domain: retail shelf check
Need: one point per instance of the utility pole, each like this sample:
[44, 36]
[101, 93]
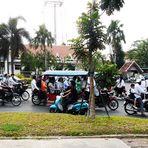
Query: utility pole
[54, 4]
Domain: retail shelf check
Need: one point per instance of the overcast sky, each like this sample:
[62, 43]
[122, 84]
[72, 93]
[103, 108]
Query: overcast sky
[133, 15]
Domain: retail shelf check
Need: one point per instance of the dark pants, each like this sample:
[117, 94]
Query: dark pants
[66, 102]
[43, 96]
[2, 94]
[140, 102]
[120, 90]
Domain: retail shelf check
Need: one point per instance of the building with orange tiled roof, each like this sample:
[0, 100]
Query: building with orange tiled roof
[62, 53]
[131, 68]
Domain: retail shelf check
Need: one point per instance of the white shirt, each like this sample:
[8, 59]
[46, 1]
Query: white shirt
[33, 85]
[146, 83]
[138, 91]
[120, 84]
[143, 84]
[11, 82]
[96, 91]
[60, 85]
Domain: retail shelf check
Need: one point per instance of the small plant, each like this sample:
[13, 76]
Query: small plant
[11, 127]
[106, 75]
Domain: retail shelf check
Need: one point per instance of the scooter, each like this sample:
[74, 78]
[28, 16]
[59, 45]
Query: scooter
[107, 99]
[21, 89]
[10, 96]
[79, 107]
[129, 106]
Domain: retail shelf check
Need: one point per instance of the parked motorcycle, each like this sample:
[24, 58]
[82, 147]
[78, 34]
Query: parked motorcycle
[79, 107]
[21, 89]
[10, 96]
[129, 107]
[107, 99]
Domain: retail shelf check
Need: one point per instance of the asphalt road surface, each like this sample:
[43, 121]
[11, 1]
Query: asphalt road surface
[28, 106]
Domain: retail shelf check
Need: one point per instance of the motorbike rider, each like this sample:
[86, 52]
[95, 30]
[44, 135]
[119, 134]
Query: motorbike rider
[12, 81]
[70, 96]
[3, 88]
[138, 92]
[33, 85]
[120, 86]
[132, 94]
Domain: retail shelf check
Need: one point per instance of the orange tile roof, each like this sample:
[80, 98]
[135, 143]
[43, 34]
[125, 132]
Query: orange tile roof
[60, 51]
[126, 67]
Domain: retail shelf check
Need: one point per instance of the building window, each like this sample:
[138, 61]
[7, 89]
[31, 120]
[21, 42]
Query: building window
[17, 67]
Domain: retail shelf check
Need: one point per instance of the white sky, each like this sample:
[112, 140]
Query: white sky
[133, 15]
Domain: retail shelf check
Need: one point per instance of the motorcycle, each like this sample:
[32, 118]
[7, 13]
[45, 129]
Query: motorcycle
[129, 107]
[36, 98]
[10, 96]
[79, 107]
[21, 89]
[107, 99]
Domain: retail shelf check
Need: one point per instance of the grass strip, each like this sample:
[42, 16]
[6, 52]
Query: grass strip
[45, 124]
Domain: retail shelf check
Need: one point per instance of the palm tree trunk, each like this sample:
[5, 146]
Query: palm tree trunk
[91, 113]
[12, 64]
[92, 98]
[45, 57]
[7, 64]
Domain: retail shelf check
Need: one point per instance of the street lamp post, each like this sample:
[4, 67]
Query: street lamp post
[54, 4]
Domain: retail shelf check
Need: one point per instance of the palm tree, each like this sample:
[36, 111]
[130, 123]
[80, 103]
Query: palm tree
[43, 39]
[91, 39]
[14, 38]
[110, 5]
[4, 44]
[115, 37]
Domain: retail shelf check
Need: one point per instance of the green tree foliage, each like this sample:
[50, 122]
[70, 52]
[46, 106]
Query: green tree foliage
[13, 37]
[139, 52]
[91, 38]
[109, 6]
[42, 40]
[115, 37]
[37, 61]
[106, 75]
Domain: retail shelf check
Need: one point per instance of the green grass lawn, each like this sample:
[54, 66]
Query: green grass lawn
[45, 124]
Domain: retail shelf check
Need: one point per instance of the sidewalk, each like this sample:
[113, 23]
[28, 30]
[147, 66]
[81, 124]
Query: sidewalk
[65, 143]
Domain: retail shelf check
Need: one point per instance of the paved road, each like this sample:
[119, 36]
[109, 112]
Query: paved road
[27, 106]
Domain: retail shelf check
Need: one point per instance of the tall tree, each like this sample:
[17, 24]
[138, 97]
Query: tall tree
[4, 44]
[14, 37]
[115, 37]
[139, 52]
[109, 6]
[43, 39]
[91, 38]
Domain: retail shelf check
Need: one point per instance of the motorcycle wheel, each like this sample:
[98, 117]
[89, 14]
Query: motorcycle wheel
[16, 100]
[52, 110]
[113, 104]
[25, 96]
[36, 100]
[2, 102]
[83, 112]
[128, 107]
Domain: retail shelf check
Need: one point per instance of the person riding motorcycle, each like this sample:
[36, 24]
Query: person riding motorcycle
[138, 92]
[70, 96]
[120, 86]
[34, 85]
[13, 81]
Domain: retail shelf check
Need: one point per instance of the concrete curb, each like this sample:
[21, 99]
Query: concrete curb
[76, 137]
